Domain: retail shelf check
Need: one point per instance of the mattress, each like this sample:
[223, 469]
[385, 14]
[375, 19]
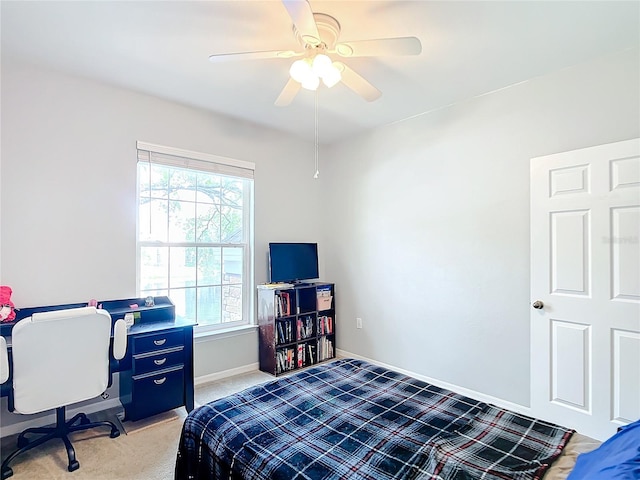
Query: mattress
[352, 419]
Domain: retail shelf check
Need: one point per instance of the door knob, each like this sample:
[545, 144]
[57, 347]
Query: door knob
[538, 304]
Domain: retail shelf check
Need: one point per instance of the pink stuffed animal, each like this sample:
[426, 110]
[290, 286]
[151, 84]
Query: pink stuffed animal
[7, 308]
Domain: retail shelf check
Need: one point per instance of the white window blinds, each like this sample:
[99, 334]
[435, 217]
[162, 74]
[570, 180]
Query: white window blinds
[175, 157]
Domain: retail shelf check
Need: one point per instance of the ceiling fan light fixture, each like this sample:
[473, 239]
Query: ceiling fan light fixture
[301, 70]
[318, 34]
[309, 71]
[332, 76]
[311, 82]
[321, 65]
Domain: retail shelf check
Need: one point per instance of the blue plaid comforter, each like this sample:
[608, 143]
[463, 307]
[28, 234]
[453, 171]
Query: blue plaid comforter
[350, 419]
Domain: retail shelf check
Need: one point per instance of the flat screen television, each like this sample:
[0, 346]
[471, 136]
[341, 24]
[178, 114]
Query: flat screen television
[293, 262]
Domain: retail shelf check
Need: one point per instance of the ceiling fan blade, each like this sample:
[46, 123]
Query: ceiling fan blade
[380, 47]
[232, 57]
[358, 84]
[288, 93]
[302, 17]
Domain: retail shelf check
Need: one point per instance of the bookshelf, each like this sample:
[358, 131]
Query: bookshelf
[296, 325]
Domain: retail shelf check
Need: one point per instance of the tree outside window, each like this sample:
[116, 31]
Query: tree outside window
[194, 241]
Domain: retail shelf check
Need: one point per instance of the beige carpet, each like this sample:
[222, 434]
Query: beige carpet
[145, 450]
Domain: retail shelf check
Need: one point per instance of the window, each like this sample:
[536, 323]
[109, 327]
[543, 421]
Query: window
[195, 234]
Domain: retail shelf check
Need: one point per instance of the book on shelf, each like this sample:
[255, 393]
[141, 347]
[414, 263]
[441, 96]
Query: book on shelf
[284, 331]
[323, 290]
[283, 304]
[305, 327]
[325, 325]
[310, 353]
[275, 286]
[281, 338]
[285, 359]
[325, 349]
[324, 297]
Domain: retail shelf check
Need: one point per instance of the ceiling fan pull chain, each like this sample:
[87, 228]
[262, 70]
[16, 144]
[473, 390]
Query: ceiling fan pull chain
[316, 136]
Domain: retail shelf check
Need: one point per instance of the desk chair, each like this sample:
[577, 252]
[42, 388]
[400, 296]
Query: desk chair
[59, 358]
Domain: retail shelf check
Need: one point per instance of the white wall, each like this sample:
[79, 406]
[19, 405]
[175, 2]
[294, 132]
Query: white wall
[425, 230]
[68, 191]
[429, 237]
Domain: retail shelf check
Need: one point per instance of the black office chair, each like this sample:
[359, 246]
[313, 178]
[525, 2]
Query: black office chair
[59, 358]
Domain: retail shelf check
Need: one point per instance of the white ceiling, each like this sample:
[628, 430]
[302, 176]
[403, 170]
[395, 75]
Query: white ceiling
[162, 48]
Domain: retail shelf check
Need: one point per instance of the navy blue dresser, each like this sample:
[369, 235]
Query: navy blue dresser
[156, 373]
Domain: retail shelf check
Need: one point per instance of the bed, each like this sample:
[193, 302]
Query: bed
[352, 419]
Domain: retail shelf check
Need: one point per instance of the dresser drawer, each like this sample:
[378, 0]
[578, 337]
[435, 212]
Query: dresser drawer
[158, 392]
[148, 362]
[156, 374]
[156, 341]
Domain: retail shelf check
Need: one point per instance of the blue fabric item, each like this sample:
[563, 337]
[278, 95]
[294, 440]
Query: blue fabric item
[618, 458]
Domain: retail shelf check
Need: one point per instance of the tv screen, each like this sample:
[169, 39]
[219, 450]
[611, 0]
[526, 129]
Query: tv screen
[291, 262]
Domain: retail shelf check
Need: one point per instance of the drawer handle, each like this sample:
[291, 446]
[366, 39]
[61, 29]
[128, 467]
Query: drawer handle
[159, 381]
[161, 361]
[160, 342]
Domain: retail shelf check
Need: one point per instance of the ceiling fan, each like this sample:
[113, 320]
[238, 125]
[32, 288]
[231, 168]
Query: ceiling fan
[318, 35]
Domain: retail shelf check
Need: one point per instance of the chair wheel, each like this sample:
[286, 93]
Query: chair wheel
[7, 472]
[73, 466]
[114, 433]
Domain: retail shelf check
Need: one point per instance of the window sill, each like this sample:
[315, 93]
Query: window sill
[207, 335]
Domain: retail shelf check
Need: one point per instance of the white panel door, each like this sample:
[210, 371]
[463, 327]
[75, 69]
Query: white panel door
[585, 287]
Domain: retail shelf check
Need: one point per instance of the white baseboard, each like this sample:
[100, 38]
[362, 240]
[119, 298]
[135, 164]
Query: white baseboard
[31, 421]
[515, 407]
[212, 377]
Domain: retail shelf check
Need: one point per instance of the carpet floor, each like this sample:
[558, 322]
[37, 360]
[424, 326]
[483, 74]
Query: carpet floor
[145, 450]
